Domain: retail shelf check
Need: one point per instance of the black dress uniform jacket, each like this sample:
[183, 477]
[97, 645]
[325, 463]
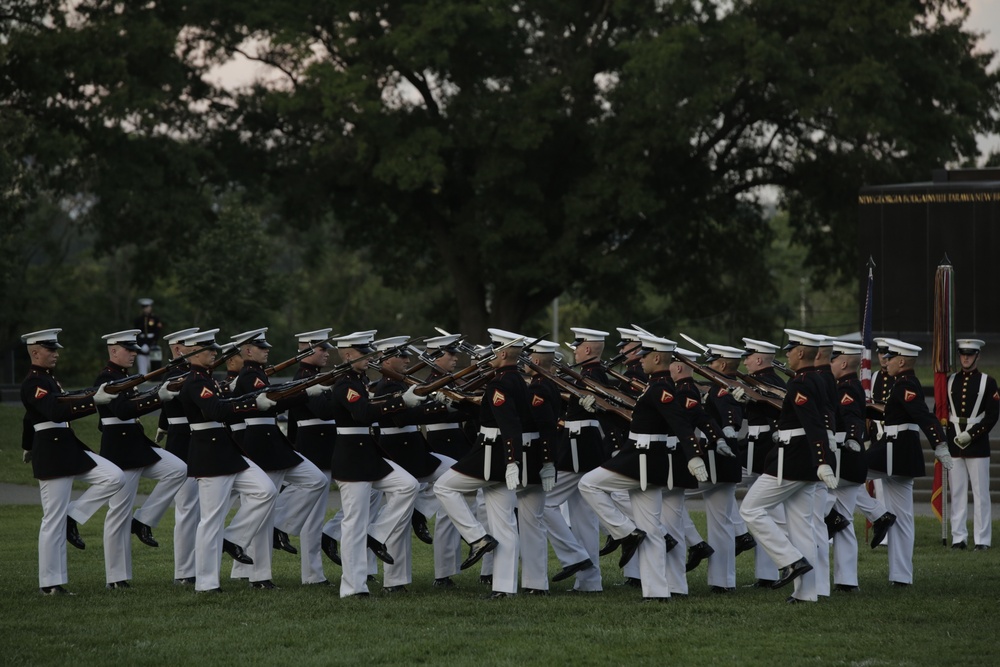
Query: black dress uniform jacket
[724, 410]
[452, 442]
[55, 452]
[505, 406]
[265, 444]
[881, 386]
[178, 434]
[906, 405]
[212, 452]
[409, 450]
[356, 457]
[964, 393]
[851, 418]
[313, 442]
[802, 408]
[546, 408]
[592, 447]
[126, 445]
[661, 411]
[760, 413]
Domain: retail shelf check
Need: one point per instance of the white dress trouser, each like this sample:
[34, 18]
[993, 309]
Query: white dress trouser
[764, 567]
[596, 488]
[797, 497]
[500, 502]
[301, 510]
[171, 473]
[186, 517]
[582, 540]
[845, 542]
[257, 494]
[448, 543]
[106, 479]
[720, 506]
[399, 488]
[821, 564]
[974, 472]
[533, 539]
[898, 497]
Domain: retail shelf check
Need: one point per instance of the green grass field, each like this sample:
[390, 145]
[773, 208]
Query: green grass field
[947, 617]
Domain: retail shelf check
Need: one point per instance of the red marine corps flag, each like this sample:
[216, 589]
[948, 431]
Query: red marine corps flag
[944, 333]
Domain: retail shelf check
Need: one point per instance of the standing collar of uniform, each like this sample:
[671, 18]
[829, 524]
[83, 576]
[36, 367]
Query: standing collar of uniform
[507, 368]
[117, 367]
[660, 375]
[41, 369]
[849, 376]
[804, 370]
[202, 370]
[908, 372]
[972, 371]
[252, 364]
[769, 370]
[311, 368]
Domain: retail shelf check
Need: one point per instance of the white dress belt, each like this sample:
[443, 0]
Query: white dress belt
[177, 420]
[526, 438]
[646, 438]
[353, 430]
[578, 425]
[45, 426]
[442, 427]
[895, 429]
[786, 435]
[204, 426]
[316, 422]
[112, 421]
[397, 430]
[489, 432]
[238, 426]
[260, 421]
[756, 430]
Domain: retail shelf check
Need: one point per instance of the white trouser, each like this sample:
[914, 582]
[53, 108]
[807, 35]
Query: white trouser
[720, 506]
[171, 473]
[533, 539]
[105, 479]
[426, 502]
[332, 527]
[186, 517]
[257, 494]
[448, 543]
[596, 488]
[974, 472]
[582, 540]
[500, 502]
[870, 506]
[691, 536]
[399, 489]
[672, 522]
[764, 567]
[821, 566]
[898, 499]
[479, 509]
[300, 510]
[845, 542]
[142, 364]
[766, 494]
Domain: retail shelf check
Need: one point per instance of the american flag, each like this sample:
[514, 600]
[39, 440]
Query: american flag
[866, 337]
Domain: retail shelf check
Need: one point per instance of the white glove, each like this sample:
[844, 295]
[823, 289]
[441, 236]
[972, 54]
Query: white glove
[941, 452]
[962, 439]
[587, 403]
[101, 397]
[443, 399]
[825, 474]
[264, 403]
[722, 447]
[697, 468]
[232, 383]
[831, 440]
[775, 438]
[160, 434]
[143, 349]
[165, 394]
[513, 476]
[410, 397]
[740, 395]
[729, 432]
[315, 390]
[853, 445]
[26, 457]
[548, 475]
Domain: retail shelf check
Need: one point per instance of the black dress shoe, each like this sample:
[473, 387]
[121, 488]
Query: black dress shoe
[793, 600]
[282, 542]
[790, 572]
[497, 595]
[210, 590]
[236, 551]
[660, 600]
[632, 582]
[670, 542]
[981, 547]
[478, 549]
[745, 542]
[721, 590]
[486, 579]
[117, 586]
[73, 534]
[54, 590]
[329, 546]
[881, 527]
[609, 546]
[899, 584]
[419, 523]
[763, 583]
[371, 579]
[144, 533]
[360, 596]
[846, 588]
[265, 585]
[538, 592]
[698, 553]
[444, 582]
[394, 590]
[629, 545]
[835, 522]
[326, 583]
[184, 581]
[570, 570]
[959, 545]
[378, 548]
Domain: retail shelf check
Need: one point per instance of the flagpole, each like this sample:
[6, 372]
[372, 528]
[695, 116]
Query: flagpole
[943, 353]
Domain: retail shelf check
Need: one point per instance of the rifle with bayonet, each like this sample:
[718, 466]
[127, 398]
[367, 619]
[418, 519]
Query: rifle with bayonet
[599, 402]
[410, 380]
[277, 368]
[607, 393]
[176, 383]
[480, 365]
[325, 378]
[728, 383]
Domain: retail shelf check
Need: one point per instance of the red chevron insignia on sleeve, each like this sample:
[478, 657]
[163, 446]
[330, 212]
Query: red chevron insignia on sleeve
[40, 393]
[537, 400]
[258, 383]
[800, 398]
[353, 396]
[206, 393]
[498, 398]
[846, 399]
[690, 403]
[723, 392]
[909, 395]
[666, 397]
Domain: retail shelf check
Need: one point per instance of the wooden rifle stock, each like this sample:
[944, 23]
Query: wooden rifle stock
[573, 390]
[636, 385]
[307, 352]
[727, 382]
[764, 387]
[607, 393]
[125, 384]
[401, 377]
